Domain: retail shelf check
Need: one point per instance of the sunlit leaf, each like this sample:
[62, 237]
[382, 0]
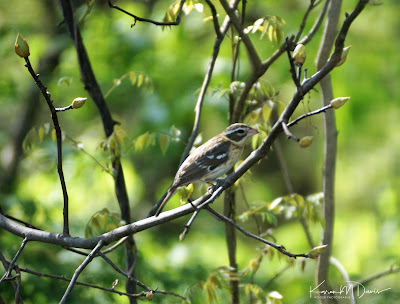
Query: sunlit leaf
[140, 142]
[164, 143]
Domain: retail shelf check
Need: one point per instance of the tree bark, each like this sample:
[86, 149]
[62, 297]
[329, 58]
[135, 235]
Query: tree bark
[330, 146]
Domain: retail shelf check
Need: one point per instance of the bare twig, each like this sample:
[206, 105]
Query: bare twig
[310, 7]
[295, 121]
[62, 278]
[295, 76]
[280, 248]
[215, 19]
[217, 44]
[16, 286]
[253, 55]
[64, 108]
[57, 128]
[81, 267]
[137, 18]
[378, 275]
[317, 24]
[11, 266]
[288, 133]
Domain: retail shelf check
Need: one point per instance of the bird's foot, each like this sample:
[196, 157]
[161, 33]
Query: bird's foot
[213, 187]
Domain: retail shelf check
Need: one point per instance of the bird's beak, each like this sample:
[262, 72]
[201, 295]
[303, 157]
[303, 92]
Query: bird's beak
[252, 132]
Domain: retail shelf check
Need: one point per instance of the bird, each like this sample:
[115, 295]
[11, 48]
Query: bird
[210, 160]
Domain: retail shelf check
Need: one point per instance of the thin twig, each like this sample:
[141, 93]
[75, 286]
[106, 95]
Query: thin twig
[11, 266]
[188, 225]
[304, 20]
[81, 267]
[215, 19]
[295, 121]
[64, 108]
[62, 278]
[378, 275]
[280, 248]
[57, 128]
[137, 18]
[288, 133]
[295, 76]
[317, 24]
[207, 78]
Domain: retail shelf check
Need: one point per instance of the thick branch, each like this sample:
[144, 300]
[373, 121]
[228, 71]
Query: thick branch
[330, 143]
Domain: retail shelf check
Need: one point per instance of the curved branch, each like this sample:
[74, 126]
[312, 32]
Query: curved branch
[57, 128]
[137, 18]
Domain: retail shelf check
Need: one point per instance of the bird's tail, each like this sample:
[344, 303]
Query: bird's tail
[156, 210]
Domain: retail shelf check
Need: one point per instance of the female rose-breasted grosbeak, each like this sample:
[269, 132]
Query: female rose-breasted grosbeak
[211, 160]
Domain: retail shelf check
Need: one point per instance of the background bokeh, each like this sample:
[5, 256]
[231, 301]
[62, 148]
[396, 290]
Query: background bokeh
[366, 236]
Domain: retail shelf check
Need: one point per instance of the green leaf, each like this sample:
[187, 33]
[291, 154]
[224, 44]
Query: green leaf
[30, 140]
[140, 142]
[164, 143]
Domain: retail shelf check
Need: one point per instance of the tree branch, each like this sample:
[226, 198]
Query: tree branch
[94, 90]
[81, 267]
[330, 144]
[11, 266]
[57, 128]
[137, 18]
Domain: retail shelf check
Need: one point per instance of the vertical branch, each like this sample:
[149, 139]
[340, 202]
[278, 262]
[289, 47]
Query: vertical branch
[330, 144]
[229, 199]
[230, 233]
[94, 90]
[57, 128]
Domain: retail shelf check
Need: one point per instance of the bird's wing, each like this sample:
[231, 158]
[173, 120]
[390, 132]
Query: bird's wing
[199, 164]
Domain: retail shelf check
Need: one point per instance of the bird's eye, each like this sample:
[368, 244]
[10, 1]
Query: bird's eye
[240, 131]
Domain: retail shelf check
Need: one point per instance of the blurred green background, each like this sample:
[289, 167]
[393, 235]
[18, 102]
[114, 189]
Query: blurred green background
[366, 236]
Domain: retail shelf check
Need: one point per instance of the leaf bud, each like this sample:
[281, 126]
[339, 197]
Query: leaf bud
[149, 296]
[21, 47]
[316, 251]
[338, 102]
[306, 141]
[299, 54]
[345, 52]
[78, 102]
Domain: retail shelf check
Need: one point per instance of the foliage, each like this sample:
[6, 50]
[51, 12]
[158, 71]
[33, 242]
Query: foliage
[153, 103]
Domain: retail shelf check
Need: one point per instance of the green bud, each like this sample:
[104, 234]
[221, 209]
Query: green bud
[149, 296]
[317, 251]
[21, 47]
[345, 52]
[338, 102]
[299, 54]
[78, 102]
[306, 141]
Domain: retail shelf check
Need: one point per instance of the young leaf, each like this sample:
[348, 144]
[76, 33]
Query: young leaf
[164, 143]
